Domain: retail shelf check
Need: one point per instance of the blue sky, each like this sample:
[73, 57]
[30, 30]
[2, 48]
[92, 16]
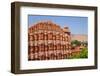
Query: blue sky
[77, 25]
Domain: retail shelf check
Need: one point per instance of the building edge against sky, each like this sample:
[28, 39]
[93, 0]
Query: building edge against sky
[77, 25]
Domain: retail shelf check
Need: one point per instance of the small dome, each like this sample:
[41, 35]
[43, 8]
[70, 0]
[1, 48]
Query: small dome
[66, 29]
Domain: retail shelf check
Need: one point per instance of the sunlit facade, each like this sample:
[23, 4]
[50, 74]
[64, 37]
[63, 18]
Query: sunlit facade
[48, 41]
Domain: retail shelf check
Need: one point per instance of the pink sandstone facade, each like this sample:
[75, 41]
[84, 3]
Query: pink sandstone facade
[48, 41]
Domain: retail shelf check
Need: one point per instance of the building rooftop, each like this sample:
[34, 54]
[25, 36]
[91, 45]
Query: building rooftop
[49, 24]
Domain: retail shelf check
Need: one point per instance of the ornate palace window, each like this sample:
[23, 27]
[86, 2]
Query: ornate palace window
[50, 36]
[58, 47]
[36, 48]
[54, 37]
[55, 47]
[46, 48]
[46, 36]
[30, 49]
[31, 38]
[31, 43]
[62, 48]
[50, 46]
[42, 47]
[41, 36]
[58, 37]
[61, 37]
[35, 37]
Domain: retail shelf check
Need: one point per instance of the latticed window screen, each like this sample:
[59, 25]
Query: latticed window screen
[47, 41]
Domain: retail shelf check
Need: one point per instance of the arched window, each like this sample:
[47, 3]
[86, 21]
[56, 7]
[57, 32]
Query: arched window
[39, 26]
[58, 47]
[31, 38]
[46, 36]
[30, 49]
[61, 37]
[50, 46]
[31, 43]
[31, 56]
[41, 36]
[60, 56]
[55, 47]
[50, 36]
[42, 47]
[35, 37]
[52, 56]
[66, 38]
[30, 30]
[46, 48]
[54, 37]
[61, 47]
[57, 37]
[33, 49]
[36, 48]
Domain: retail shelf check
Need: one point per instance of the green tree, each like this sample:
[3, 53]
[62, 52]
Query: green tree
[84, 43]
[83, 54]
[75, 43]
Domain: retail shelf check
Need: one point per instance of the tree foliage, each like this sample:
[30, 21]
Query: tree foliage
[75, 43]
[83, 54]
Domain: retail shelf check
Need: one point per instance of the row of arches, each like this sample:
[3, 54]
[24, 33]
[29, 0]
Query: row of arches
[49, 47]
[49, 36]
[49, 56]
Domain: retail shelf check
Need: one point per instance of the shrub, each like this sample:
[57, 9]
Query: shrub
[83, 54]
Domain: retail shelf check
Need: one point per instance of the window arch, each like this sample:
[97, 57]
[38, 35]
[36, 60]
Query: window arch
[46, 36]
[41, 36]
[54, 37]
[35, 37]
[50, 36]
[42, 47]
